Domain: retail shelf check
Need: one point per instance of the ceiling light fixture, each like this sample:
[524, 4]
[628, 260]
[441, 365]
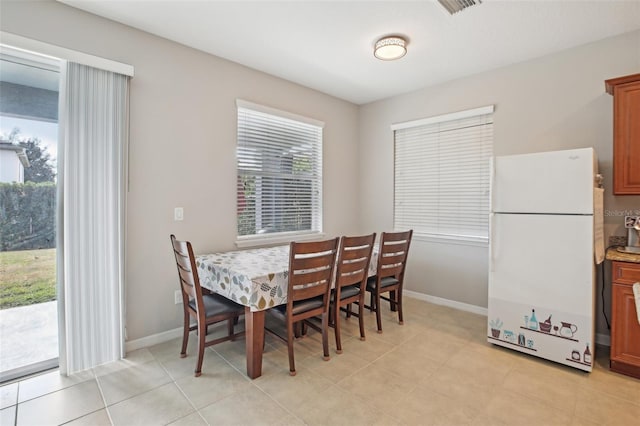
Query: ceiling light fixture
[390, 48]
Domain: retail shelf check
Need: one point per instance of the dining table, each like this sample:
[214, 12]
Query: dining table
[257, 279]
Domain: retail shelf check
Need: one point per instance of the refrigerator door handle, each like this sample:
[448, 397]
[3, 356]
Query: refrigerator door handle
[492, 241]
[492, 174]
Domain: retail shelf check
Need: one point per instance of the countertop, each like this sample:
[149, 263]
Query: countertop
[614, 254]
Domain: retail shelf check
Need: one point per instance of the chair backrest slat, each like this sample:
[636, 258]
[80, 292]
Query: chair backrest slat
[310, 269]
[187, 272]
[392, 256]
[353, 260]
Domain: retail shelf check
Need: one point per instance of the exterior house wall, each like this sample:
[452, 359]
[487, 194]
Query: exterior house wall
[11, 169]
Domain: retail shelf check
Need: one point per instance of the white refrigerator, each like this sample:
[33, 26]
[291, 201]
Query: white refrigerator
[541, 267]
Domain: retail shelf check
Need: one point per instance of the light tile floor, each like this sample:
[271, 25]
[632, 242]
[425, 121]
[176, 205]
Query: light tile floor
[435, 369]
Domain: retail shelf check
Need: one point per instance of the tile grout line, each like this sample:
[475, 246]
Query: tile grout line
[173, 380]
[277, 402]
[104, 401]
[255, 385]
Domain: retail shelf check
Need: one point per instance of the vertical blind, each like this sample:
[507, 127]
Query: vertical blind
[279, 185]
[442, 168]
[92, 193]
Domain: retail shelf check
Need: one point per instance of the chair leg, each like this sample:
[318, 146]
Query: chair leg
[399, 304]
[349, 310]
[361, 317]
[332, 314]
[292, 365]
[393, 296]
[325, 336]
[230, 326]
[185, 335]
[336, 324]
[378, 315]
[201, 340]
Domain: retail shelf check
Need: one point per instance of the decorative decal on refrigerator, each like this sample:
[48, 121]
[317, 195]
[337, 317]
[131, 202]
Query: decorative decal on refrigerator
[561, 340]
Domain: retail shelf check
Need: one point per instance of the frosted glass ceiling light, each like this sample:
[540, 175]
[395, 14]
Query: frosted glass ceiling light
[390, 48]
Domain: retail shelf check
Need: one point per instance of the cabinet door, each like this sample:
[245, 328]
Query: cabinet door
[626, 139]
[625, 331]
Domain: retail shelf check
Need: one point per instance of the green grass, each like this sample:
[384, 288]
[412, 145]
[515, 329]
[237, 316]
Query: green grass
[27, 277]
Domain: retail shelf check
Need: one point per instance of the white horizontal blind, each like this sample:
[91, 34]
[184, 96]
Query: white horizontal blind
[442, 178]
[279, 187]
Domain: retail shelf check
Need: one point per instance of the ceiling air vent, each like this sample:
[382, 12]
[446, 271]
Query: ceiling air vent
[455, 6]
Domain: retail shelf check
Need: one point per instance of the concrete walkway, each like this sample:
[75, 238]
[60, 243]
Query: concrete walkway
[28, 334]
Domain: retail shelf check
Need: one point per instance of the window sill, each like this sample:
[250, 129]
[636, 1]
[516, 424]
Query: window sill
[452, 239]
[278, 239]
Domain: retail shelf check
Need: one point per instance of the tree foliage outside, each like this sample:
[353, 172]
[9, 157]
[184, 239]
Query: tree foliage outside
[27, 210]
[27, 215]
[40, 169]
[282, 203]
[27, 222]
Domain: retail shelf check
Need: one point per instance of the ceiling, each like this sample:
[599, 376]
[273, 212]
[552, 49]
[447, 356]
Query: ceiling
[328, 45]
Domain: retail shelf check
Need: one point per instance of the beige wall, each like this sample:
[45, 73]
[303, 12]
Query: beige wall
[183, 139]
[183, 127]
[551, 103]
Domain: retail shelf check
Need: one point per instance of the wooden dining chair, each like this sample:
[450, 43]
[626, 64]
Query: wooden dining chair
[351, 281]
[206, 309]
[389, 278]
[311, 266]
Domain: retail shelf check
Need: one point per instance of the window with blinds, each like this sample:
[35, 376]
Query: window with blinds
[279, 185]
[442, 168]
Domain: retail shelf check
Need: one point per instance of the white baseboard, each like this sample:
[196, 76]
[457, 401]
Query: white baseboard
[601, 339]
[152, 340]
[446, 302]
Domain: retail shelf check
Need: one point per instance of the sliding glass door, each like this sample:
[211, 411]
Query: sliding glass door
[28, 160]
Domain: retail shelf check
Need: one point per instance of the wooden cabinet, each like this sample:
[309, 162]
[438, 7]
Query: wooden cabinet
[625, 330]
[626, 133]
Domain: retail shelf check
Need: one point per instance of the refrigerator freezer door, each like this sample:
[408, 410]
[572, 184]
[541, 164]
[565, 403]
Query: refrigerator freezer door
[559, 182]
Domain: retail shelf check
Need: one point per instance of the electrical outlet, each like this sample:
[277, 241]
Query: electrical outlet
[177, 297]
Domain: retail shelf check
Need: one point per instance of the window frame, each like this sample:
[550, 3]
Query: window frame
[316, 209]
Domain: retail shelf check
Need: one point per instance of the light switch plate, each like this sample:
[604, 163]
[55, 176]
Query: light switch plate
[177, 296]
[178, 213]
